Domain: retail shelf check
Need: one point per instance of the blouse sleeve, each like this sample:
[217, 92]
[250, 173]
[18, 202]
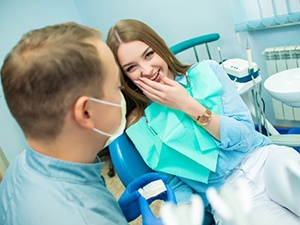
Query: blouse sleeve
[236, 125]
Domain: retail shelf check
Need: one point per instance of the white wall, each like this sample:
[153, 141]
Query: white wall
[16, 18]
[174, 20]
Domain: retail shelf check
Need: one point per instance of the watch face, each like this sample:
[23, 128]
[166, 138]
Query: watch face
[205, 118]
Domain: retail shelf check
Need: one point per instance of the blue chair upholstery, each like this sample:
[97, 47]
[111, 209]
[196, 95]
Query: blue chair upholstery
[129, 165]
[127, 161]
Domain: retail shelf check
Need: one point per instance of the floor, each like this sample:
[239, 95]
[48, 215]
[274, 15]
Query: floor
[116, 187]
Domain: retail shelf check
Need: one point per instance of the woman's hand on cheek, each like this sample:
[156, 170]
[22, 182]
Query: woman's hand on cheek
[168, 92]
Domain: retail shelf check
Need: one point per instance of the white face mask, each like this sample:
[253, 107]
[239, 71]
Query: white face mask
[121, 128]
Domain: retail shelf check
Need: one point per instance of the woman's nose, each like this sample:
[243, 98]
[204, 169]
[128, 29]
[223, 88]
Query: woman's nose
[146, 71]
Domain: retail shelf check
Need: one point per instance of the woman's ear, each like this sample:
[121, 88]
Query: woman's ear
[82, 112]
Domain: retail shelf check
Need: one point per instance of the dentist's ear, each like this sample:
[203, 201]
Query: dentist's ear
[82, 112]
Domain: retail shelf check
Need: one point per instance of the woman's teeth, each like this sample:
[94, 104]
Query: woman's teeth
[155, 76]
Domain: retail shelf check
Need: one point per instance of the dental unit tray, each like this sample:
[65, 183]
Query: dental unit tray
[238, 70]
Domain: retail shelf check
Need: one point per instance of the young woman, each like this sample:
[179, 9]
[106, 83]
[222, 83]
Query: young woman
[197, 104]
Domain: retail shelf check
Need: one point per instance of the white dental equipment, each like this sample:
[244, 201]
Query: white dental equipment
[247, 82]
[238, 71]
[153, 189]
[249, 55]
[232, 204]
[285, 86]
[183, 214]
[246, 78]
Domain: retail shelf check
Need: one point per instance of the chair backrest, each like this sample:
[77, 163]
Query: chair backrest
[193, 42]
[127, 161]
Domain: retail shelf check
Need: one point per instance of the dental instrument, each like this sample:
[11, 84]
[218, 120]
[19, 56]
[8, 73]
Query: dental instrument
[219, 204]
[190, 213]
[220, 55]
[249, 54]
[232, 204]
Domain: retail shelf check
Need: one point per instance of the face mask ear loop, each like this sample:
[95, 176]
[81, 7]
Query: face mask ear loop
[121, 128]
[102, 132]
[105, 102]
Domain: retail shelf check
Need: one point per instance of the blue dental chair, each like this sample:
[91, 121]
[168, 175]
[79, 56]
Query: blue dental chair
[127, 161]
[129, 165]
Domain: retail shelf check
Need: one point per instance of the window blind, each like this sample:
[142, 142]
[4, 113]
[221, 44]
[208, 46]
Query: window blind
[259, 14]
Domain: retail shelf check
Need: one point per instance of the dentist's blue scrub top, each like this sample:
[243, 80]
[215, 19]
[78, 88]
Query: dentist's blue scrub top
[39, 190]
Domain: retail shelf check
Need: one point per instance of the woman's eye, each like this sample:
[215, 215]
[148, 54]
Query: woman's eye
[149, 54]
[130, 68]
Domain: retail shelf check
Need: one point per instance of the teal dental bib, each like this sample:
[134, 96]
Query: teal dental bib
[170, 141]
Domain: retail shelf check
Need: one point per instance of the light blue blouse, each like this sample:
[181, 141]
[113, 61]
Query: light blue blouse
[238, 139]
[39, 190]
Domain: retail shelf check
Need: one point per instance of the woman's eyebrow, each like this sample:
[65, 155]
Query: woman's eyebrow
[147, 49]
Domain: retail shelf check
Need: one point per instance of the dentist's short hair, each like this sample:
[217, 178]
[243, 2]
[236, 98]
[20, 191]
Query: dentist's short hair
[46, 72]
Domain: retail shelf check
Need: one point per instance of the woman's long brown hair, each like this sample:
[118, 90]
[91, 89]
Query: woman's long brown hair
[128, 30]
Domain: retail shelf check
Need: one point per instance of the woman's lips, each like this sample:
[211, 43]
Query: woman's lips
[156, 77]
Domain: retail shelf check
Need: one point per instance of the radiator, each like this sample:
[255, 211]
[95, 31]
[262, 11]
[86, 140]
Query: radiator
[279, 59]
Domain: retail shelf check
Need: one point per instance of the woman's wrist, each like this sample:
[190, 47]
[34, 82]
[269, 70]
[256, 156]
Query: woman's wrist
[194, 109]
[211, 124]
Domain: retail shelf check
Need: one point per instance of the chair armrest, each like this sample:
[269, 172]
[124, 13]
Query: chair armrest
[292, 140]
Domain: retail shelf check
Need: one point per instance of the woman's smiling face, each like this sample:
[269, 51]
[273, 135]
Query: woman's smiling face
[137, 59]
